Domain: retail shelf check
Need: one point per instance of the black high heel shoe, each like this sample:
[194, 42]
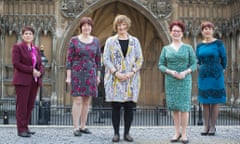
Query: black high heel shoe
[205, 133]
[186, 141]
[212, 133]
[176, 140]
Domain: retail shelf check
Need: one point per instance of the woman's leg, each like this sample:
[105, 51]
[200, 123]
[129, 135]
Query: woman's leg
[206, 114]
[176, 118]
[84, 111]
[128, 116]
[214, 115]
[76, 111]
[116, 106]
[22, 93]
[31, 101]
[184, 123]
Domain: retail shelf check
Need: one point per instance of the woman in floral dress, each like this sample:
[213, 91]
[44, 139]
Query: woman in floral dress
[83, 73]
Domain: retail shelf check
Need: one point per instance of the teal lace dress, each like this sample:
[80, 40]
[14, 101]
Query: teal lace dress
[178, 92]
[212, 61]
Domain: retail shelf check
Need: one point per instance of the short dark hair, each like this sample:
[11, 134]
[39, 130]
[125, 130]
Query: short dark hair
[28, 28]
[207, 24]
[85, 20]
[177, 23]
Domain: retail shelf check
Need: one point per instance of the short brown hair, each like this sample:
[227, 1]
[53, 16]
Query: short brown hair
[207, 24]
[85, 20]
[28, 28]
[177, 23]
[121, 19]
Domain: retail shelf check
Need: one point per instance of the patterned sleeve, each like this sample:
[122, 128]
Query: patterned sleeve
[192, 59]
[98, 56]
[223, 55]
[70, 55]
[162, 61]
[139, 56]
[107, 54]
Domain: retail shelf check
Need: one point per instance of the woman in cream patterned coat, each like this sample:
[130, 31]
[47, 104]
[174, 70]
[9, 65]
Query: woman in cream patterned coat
[123, 59]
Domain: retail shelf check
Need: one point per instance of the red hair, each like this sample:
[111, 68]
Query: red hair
[177, 23]
[28, 28]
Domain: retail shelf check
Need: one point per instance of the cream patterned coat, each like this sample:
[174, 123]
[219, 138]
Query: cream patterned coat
[116, 90]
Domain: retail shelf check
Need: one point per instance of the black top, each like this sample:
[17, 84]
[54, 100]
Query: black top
[124, 46]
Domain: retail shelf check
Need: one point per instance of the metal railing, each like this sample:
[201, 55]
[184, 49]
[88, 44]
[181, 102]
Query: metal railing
[101, 116]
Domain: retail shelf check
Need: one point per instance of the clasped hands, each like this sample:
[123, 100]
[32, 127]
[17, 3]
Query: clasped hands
[124, 76]
[36, 73]
[178, 75]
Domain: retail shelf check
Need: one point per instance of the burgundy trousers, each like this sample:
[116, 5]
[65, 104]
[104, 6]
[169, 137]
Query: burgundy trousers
[25, 100]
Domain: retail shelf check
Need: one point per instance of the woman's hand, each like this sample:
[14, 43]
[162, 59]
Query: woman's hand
[183, 74]
[98, 80]
[121, 77]
[68, 80]
[36, 73]
[172, 72]
[176, 74]
[130, 74]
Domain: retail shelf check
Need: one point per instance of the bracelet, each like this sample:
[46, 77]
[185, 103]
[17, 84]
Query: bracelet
[114, 73]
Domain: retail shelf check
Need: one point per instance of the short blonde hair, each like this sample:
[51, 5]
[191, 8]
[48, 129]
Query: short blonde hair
[121, 19]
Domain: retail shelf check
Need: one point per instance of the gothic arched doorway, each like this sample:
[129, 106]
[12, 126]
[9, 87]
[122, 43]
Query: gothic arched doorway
[145, 27]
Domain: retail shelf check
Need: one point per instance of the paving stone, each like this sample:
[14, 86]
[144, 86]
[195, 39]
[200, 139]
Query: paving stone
[103, 135]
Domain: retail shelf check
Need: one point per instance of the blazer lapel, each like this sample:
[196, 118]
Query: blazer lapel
[25, 49]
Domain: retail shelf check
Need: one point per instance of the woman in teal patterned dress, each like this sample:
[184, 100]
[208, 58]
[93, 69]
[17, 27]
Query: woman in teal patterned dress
[177, 61]
[212, 61]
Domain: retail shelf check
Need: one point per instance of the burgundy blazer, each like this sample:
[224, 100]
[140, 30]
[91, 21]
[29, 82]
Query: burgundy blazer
[23, 67]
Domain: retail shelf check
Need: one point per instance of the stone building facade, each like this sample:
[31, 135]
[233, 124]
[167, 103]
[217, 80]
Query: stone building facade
[56, 21]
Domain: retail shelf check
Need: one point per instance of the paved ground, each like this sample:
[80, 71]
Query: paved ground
[103, 135]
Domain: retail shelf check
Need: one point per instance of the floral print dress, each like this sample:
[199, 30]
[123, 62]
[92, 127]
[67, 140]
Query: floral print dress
[84, 60]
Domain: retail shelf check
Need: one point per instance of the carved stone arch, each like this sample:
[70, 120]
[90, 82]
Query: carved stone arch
[236, 68]
[160, 26]
[152, 34]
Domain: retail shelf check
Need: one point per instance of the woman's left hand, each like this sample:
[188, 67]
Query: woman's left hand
[130, 74]
[36, 73]
[183, 74]
[98, 80]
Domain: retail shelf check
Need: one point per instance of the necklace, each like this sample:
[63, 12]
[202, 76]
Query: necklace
[208, 40]
[85, 39]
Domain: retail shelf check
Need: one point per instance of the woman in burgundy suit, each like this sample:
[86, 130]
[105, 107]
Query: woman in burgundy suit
[28, 70]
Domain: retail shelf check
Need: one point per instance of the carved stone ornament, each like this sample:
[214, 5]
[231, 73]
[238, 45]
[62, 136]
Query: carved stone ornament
[14, 23]
[160, 8]
[71, 8]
